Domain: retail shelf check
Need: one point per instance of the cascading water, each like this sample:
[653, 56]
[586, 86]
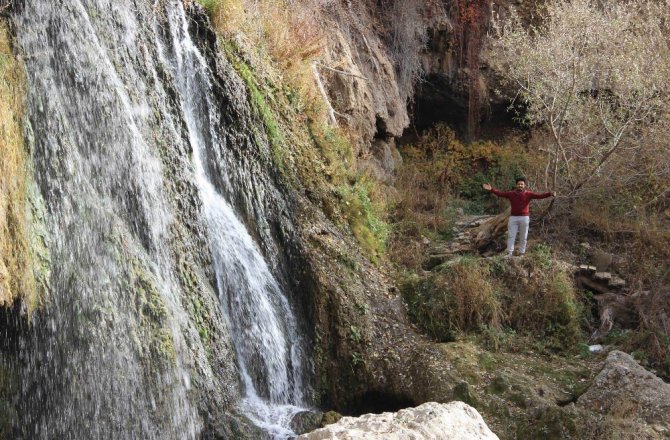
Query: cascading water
[264, 328]
[127, 154]
[107, 355]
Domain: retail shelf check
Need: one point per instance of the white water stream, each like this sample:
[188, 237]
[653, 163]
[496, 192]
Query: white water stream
[264, 328]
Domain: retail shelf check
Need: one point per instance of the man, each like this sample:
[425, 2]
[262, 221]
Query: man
[519, 220]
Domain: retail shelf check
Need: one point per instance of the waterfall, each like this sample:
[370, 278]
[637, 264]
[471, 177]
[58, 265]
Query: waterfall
[107, 358]
[264, 328]
[125, 141]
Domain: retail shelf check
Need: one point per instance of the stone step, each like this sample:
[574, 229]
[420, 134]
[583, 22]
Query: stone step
[617, 283]
[588, 269]
[602, 276]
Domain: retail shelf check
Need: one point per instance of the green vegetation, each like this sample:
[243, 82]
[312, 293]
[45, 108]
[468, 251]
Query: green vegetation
[260, 106]
[155, 343]
[198, 311]
[365, 217]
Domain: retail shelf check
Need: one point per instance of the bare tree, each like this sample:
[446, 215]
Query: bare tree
[595, 74]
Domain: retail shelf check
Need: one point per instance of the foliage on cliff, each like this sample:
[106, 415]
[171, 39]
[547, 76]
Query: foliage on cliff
[273, 47]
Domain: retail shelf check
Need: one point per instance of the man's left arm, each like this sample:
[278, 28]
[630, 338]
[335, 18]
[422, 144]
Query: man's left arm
[534, 195]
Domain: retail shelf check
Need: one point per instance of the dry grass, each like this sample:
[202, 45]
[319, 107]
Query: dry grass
[473, 296]
[288, 36]
[16, 277]
[460, 298]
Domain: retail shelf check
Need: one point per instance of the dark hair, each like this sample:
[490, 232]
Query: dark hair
[521, 179]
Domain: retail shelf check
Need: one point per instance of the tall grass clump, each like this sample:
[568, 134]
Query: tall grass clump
[541, 301]
[16, 277]
[533, 299]
[457, 299]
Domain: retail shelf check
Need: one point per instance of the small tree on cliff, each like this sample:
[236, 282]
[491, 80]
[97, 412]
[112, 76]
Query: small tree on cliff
[595, 74]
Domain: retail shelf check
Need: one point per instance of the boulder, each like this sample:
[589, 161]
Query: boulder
[625, 389]
[306, 421]
[455, 420]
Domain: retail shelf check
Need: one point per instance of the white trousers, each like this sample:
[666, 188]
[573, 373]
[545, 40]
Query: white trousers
[517, 224]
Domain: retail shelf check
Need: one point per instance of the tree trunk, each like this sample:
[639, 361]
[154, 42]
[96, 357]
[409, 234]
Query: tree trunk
[490, 230]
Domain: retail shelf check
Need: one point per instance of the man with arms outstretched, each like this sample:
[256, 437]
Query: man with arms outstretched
[519, 219]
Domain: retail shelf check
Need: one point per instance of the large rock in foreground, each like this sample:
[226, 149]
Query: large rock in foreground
[625, 389]
[455, 420]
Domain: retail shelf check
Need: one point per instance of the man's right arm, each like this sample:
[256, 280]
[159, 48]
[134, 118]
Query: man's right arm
[490, 189]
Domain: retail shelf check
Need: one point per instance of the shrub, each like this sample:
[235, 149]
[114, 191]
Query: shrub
[459, 298]
[500, 300]
[540, 300]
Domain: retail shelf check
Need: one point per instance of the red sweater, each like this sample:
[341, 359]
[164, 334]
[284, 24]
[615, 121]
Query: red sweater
[520, 200]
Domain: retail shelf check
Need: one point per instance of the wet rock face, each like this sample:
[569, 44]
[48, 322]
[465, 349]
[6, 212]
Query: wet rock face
[451, 421]
[625, 389]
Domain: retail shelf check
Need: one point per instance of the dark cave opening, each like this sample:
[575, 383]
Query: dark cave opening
[377, 402]
[435, 101]
[439, 99]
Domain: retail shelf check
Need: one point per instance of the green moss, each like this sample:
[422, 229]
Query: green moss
[40, 256]
[463, 392]
[196, 305]
[499, 385]
[156, 340]
[330, 417]
[355, 334]
[261, 107]
[364, 218]
[210, 5]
